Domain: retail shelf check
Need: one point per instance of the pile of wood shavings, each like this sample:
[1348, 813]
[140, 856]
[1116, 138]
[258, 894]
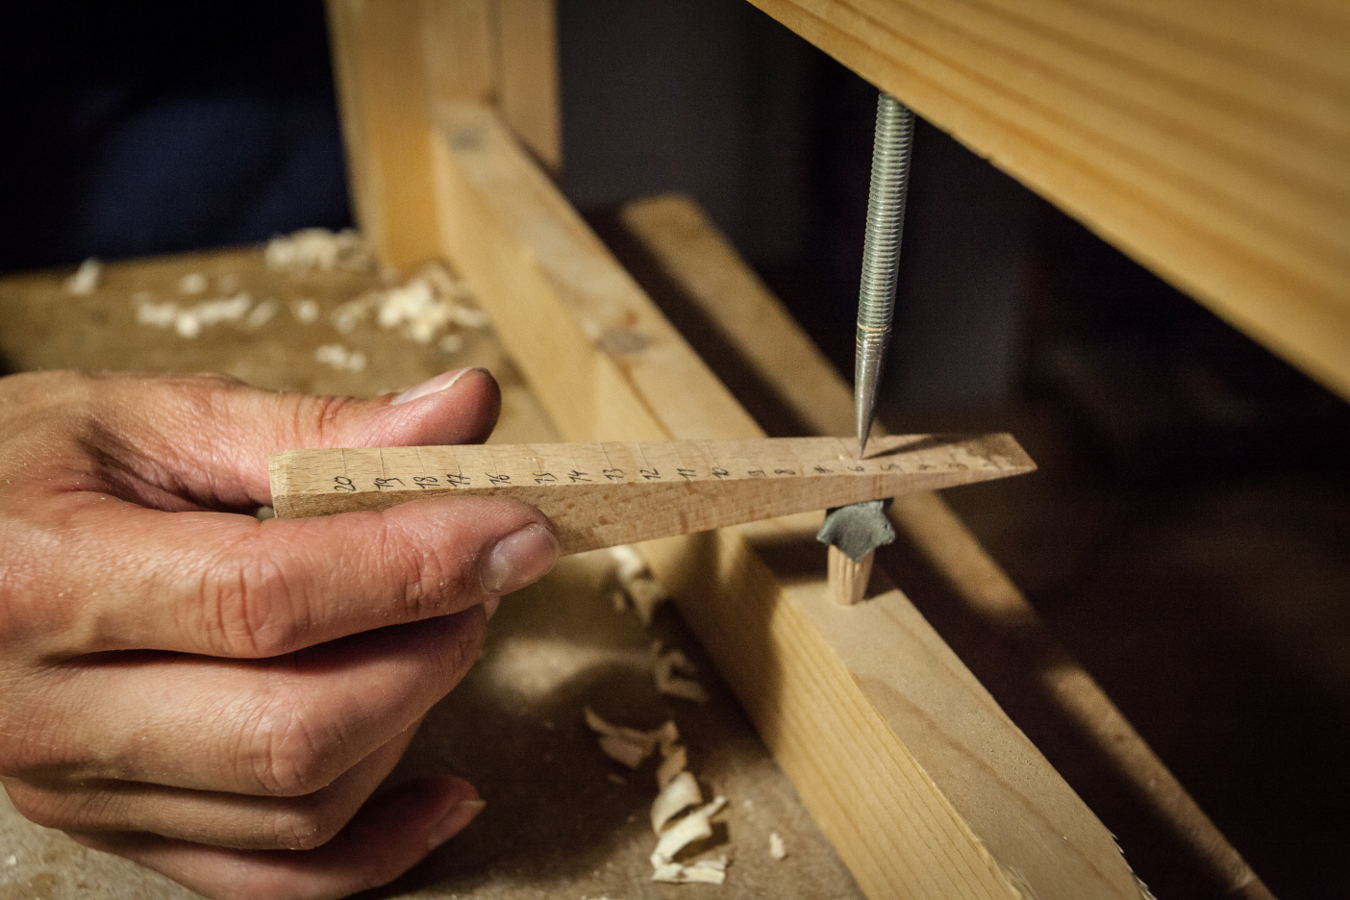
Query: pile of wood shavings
[679, 816]
[424, 308]
[190, 321]
[319, 248]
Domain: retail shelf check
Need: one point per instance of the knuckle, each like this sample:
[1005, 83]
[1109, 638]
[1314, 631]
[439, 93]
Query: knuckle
[435, 580]
[319, 418]
[251, 614]
[302, 826]
[55, 810]
[287, 755]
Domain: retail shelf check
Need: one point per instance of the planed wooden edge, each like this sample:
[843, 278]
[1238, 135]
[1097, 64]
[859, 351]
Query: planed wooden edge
[382, 97]
[607, 365]
[1193, 136]
[688, 249]
[528, 78]
[394, 60]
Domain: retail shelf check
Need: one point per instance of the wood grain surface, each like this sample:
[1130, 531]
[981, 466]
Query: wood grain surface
[604, 494]
[1209, 140]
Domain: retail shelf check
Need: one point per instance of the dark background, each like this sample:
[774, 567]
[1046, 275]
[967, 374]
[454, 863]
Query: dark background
[1187, 537]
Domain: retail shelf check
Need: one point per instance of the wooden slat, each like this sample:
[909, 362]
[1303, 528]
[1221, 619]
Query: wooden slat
[880, 726]
[1209, 140]
[687, 249]
[394, 60]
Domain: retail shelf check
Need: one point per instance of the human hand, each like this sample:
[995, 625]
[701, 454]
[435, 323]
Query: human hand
[217, 697]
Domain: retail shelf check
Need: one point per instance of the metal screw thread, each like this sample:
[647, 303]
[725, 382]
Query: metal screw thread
[881, 252]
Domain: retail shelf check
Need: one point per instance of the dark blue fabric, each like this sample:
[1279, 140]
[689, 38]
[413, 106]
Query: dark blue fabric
[132, 129]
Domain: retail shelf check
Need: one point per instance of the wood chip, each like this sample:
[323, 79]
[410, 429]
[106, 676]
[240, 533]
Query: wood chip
[777, 849]
[86, 278]
[692, 828]
[627, 745]
[672, 764]
[679, 794]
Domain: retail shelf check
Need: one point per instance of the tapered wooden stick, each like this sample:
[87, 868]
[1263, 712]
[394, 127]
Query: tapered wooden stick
[600, 495]
[848, 579]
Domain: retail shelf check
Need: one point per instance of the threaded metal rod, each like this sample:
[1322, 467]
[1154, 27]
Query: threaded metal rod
[881, 253]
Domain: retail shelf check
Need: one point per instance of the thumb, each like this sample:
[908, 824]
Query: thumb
[208, 438]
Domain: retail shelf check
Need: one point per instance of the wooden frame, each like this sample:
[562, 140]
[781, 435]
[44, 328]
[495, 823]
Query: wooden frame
[931, 791]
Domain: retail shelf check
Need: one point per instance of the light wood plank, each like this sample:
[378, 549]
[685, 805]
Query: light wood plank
[1211, 141]
[528, 78]
[830, 689]
[688, 249]
[605, 494]
[394, 60]
[382, 94]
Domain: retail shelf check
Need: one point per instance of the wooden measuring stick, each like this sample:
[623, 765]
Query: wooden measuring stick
[600, 495]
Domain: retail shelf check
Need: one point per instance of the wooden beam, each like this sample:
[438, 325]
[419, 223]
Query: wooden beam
[394, 60]
[923, 784]
[1209, 141]
[685, 246]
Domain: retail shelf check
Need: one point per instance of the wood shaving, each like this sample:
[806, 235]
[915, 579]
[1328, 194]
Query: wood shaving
[86, 278]
[319, 248]
[630, 563]
[190, 322]
[306, 311]
[664, 669]
[672, 764]
[621, 750]
[777, 849]
[678, 795]
[704, 871]
[339, 357]
[641, 588]
[261, 314]
[352, 313]
[626, 745]
[192, 283]
[689, 830]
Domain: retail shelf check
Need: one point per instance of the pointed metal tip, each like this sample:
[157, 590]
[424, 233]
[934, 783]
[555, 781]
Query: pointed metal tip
[862, 445]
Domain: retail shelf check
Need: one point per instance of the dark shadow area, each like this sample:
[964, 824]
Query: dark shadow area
[140, 128]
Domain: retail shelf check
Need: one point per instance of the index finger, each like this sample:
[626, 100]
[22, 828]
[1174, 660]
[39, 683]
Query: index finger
[227, 585]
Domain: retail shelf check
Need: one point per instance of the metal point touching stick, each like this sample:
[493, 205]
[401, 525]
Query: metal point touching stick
[881, 253]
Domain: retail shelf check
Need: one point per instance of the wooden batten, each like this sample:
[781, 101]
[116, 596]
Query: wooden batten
[882, 729]
[1208, 140]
